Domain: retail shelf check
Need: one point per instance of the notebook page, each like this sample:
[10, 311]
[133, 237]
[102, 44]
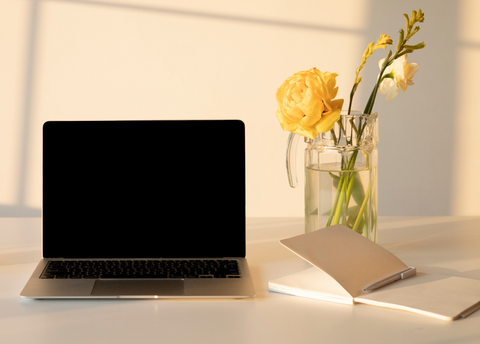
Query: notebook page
[311, 283]
[442, 297]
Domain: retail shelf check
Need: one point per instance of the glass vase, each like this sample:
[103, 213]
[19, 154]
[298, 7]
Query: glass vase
[341, 175]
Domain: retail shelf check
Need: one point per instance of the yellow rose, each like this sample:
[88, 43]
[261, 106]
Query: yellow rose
[306, 105]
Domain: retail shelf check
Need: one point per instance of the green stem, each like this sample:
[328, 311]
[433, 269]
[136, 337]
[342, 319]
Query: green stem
[346, 182]
[338, 209]
[373, 95]
[342, 186]
[334, 137]
[352, 93]
[337, 205]
[350, 188]
[337, 196]
[371, 100]
[362, 209]
[342, 130]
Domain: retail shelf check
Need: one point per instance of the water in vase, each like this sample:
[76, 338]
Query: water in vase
[355, 205]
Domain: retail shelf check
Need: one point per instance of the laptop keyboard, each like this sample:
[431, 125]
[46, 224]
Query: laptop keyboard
[75, 269]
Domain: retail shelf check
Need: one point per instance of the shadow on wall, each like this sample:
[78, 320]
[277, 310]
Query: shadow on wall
[19, 211]
[417, 128]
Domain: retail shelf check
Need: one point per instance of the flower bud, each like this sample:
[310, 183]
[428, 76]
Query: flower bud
[416, 46]
[400, 39]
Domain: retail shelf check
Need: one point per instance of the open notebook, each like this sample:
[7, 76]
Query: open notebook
[351, 269]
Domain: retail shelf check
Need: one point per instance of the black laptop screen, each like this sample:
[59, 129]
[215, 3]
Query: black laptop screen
[143, 189]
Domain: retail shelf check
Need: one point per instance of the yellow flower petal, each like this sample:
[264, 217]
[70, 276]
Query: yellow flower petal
[305, 103]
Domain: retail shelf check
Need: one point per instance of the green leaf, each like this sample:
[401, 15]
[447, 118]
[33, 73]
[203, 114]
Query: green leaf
[358, 193]
[327, 213]
[352, 214]
[335, 181]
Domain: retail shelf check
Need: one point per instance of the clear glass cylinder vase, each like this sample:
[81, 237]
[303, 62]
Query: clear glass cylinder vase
[341, 176]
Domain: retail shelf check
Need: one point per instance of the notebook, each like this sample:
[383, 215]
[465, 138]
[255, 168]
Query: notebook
[350, 269]
[158, 198]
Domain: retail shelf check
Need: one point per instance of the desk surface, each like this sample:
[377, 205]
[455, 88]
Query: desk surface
[444, 245]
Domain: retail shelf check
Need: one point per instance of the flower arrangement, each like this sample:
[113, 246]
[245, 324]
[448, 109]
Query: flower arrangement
[307, 107]
[305, 100]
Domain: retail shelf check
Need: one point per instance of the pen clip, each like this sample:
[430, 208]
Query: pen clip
[403, 274]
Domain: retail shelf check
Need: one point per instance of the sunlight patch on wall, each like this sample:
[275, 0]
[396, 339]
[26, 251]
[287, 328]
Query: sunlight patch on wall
[14, 23]
[466, 189]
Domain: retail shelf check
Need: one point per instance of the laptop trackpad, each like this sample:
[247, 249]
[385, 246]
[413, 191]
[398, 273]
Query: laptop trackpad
[137, 287]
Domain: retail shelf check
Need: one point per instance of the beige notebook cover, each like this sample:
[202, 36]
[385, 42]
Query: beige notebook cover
[346, 263]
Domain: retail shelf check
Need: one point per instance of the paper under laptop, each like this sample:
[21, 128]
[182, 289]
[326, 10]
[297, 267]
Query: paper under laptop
[143, 191]
[347, 264]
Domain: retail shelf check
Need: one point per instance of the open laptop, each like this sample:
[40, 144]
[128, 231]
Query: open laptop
[143, 209]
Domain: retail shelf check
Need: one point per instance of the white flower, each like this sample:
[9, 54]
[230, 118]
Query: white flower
[399, 75]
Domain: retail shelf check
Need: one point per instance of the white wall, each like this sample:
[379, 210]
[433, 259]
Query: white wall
[154, 59]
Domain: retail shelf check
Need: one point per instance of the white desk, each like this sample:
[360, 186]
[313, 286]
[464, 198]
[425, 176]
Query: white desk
[446, 245]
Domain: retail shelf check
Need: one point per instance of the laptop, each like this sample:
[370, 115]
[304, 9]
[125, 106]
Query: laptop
[143, 209]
